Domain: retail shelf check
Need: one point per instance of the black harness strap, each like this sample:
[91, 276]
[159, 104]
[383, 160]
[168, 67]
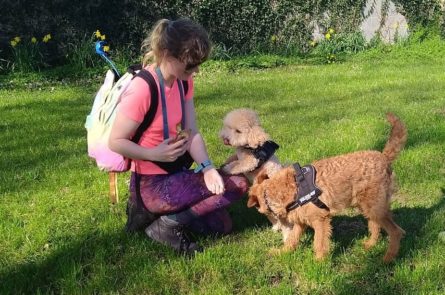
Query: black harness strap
[264, 152]
[148, 119]
[307, 190]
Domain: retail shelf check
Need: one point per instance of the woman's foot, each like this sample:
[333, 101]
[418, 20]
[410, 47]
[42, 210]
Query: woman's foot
[216, 223]
[171, 233]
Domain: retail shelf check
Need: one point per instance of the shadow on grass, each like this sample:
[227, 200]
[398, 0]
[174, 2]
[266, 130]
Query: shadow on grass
[348, 234]
[111, 262]
[93, 264]
[245, 218]
[379, 276]
[347, 230]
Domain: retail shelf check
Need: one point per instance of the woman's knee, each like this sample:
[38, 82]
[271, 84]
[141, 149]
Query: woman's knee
[238, 184]
[159, 207]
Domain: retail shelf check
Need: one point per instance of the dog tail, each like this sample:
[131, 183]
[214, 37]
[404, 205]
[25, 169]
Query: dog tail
[397, 138]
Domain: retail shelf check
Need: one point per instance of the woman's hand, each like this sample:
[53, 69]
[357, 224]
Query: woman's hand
[166, 152]
[213, 181]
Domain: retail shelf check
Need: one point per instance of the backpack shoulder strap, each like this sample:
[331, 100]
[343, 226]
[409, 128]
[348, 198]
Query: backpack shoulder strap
[185, 86]
[148, 119]
[134, 68]
[150, 115]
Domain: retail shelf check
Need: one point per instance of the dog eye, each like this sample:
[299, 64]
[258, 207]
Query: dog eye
[237, 131]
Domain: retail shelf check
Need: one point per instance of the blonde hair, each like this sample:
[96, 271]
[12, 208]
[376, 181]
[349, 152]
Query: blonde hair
[182, 38]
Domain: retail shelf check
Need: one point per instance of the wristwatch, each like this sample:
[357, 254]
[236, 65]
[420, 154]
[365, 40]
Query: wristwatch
[203, 165]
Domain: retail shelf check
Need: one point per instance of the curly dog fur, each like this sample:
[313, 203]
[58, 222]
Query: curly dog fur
[242, 130]
[361, 179]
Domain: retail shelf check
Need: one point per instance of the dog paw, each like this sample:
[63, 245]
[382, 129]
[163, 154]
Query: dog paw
[281, 250]
[226, 169]
[368, 244]
[223, 168]
[389, 257]
[276, 227]
[320, 256]
[274, 251]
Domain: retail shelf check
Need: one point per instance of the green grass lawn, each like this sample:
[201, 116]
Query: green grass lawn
[60, 234]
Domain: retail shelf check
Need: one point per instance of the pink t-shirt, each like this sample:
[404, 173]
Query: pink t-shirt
[135, 102]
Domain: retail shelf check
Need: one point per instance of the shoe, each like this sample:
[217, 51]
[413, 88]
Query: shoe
[174, 236]
[138, 218]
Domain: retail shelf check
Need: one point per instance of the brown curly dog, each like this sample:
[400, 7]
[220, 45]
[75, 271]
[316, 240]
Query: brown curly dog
[361, 179]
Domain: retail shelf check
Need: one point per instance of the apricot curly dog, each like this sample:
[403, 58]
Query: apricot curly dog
[254, 149]
[361, 179]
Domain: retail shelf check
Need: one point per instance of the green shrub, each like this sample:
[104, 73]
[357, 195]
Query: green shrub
[81, 54]
[221, 52]
[334, 45]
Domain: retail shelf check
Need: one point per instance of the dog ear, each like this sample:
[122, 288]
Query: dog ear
[261, 177]
[252, 201]
[257, 137]
[290, 175]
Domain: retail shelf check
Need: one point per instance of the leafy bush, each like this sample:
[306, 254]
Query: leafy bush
[236, 26]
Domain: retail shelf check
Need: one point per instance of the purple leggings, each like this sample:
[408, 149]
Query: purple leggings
[172, 193]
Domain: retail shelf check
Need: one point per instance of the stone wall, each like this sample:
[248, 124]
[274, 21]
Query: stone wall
[388, 22]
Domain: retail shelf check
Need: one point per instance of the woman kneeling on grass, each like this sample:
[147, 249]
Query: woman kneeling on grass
[168, 202]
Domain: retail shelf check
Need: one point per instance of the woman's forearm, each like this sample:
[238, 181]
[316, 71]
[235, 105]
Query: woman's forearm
[198, 149]
[129, 149]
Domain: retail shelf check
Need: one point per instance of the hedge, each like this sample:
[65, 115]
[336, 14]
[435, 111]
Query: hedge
[239, 26]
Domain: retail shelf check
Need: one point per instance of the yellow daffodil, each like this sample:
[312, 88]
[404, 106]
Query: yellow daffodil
[33, 40]
[327, 36]
[102, 37]
[98, 34]
[331, 31]
[13, 43]
[46, 38]
[17, 39]
[106, 48]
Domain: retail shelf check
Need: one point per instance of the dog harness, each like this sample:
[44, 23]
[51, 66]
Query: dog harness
[264, 152]
[307, 190]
